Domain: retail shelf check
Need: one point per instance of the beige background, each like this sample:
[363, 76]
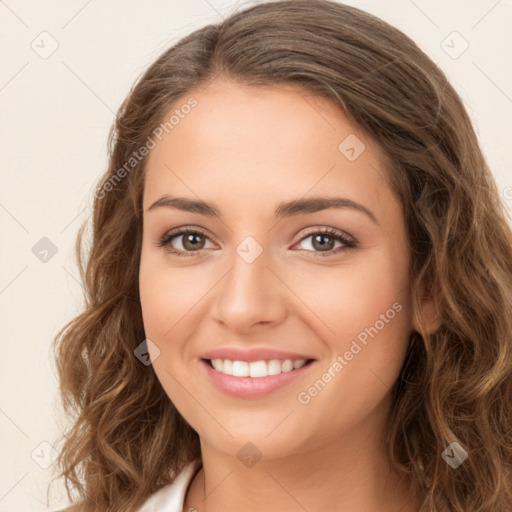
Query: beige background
[55, 117]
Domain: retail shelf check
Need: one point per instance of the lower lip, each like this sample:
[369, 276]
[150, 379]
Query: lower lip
[252, 387]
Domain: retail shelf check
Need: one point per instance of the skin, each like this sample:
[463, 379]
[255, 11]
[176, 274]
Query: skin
[246, 149]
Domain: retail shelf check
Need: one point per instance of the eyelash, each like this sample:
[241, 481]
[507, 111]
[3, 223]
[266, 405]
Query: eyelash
[165, 241]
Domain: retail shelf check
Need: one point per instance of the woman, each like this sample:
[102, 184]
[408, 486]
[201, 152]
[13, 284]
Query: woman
[299, 283]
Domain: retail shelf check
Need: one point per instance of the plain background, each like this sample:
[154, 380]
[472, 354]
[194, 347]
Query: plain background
[56, 111]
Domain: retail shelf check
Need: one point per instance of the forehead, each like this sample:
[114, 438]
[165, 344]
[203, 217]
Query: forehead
[258, 145]
[230, 116]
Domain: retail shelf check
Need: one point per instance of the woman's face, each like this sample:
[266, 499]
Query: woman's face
[257, 281]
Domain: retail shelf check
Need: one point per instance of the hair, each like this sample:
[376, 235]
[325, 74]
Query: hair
[126, 438]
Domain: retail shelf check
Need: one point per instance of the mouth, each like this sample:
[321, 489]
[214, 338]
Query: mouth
[256, 369]
[254, 379]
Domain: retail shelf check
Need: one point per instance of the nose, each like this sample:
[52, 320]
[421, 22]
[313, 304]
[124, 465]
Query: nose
[250, 295]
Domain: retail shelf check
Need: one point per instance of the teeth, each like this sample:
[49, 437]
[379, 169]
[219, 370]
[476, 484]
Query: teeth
[256, 369]
[299, 363]
[287, 366]
[227, 367]
[218, 364]
[274, 367]
[240, 369]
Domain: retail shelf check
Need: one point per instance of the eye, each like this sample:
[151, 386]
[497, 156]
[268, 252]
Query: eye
[189, 241]
[323, 241]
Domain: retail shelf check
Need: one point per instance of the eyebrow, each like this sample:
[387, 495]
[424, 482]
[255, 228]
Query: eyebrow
[282, 210]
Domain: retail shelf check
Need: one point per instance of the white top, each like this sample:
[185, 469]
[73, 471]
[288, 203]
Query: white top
[171, 497]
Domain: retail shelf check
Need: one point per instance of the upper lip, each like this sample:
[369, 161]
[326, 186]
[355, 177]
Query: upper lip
[254, 354]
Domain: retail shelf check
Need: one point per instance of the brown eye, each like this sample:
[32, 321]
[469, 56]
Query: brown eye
[323, 242]
[192, 241]
[185, 242]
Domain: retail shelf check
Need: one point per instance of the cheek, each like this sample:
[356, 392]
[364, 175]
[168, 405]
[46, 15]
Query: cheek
[352, 297]
[168, 295]
[368, 313]
[167, 299]
[366, 308]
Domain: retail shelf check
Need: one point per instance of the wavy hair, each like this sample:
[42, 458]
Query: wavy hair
[126, 439]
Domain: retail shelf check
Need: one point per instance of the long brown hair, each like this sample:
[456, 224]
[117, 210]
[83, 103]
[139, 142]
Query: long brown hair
[126, 438]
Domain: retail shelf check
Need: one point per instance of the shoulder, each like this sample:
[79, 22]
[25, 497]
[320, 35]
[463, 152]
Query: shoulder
[170, 498]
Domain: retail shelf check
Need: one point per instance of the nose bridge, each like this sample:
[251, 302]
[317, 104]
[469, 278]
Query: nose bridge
[250, 292]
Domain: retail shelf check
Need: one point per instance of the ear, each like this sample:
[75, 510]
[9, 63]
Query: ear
[428, 318]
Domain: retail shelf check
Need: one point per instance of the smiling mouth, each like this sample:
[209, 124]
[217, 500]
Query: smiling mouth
[256, 369]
